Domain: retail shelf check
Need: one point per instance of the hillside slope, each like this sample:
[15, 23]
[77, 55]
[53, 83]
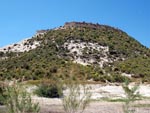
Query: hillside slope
[78, 49]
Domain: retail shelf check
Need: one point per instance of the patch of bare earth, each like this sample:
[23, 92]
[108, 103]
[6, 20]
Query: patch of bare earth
[55, 106]
[98, 91]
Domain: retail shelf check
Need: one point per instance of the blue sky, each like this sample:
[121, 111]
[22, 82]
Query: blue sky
[19, 19]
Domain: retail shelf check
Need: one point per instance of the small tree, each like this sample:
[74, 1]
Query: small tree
[132, 95]
[75, 101]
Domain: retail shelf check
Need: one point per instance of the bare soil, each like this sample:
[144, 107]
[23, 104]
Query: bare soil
[100, 91]
[95, 107]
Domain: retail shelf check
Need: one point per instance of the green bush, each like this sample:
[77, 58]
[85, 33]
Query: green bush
[119, 78]
[1, 95]
[49, 90]
[110, 78]
[18, 100]
[132, 94]
[77, 99]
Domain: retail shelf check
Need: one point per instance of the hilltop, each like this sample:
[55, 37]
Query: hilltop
[83, 50]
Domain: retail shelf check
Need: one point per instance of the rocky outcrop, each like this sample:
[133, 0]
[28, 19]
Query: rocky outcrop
[88, 53]
[22, 46]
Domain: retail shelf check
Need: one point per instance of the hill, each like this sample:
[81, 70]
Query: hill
[82, 50]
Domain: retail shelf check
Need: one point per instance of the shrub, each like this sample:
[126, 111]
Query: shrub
[131, 95]
[75, 101]
[49, 90]
[110, 78]
[18, 100]
[2, 99]
[119, 78]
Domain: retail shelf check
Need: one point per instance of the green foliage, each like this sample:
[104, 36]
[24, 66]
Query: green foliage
[77, 99]
[138, 66]
[113, 77]
[132, 95]
[18, 100]
[49, 90]
[50, 58]
[2, 94]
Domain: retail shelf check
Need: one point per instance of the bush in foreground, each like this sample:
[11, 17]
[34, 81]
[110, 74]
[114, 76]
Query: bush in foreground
[49, 90]
[18, 100]
[132, 95]
[76, 100]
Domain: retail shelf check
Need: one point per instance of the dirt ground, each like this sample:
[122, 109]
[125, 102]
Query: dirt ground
[99, 91]
[49, 105]
[94, 107]
[55, 106]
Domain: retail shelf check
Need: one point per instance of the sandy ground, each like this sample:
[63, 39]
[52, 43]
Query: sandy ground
[98, 92]
[55, 106]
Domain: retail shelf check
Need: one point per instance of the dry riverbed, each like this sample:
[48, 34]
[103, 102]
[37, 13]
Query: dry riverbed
[55, 106]
[100, 96]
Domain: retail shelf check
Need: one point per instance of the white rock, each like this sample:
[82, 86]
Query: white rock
[21, 46]
[77, 47]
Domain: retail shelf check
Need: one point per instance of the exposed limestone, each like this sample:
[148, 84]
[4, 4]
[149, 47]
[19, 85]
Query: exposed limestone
[87, 53]
[22, 46]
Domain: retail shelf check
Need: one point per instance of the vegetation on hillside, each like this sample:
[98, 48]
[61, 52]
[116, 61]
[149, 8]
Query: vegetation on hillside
[139, 67]
[50, 59]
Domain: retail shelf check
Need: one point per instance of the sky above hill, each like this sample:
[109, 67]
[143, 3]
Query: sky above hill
[20, 19]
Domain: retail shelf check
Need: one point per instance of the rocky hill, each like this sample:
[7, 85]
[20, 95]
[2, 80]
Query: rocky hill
[85, 51]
